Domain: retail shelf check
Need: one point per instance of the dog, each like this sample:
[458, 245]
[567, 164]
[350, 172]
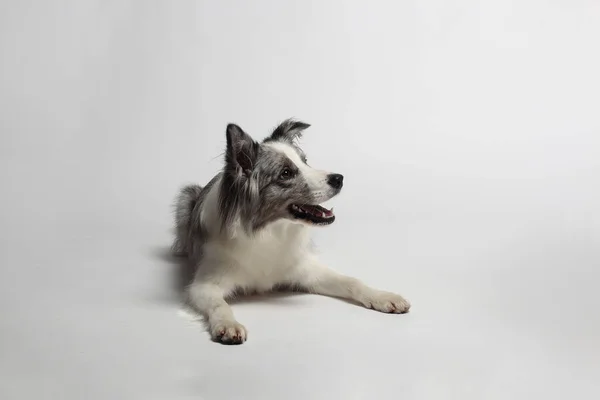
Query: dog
[247, 230]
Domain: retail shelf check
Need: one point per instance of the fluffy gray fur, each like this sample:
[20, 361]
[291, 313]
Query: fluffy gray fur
[249, 187]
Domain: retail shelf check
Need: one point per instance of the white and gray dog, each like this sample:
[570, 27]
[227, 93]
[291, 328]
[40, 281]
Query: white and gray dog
[247, 230]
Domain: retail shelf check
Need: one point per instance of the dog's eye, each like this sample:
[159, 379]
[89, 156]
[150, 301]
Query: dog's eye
[286, 173]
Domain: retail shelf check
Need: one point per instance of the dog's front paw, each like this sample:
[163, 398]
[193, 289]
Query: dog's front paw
[229, 332]
[388, 303]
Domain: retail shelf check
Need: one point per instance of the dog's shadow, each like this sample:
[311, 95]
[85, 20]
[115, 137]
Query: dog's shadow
[181, 271]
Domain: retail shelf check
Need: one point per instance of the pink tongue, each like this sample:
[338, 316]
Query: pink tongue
[318, 211]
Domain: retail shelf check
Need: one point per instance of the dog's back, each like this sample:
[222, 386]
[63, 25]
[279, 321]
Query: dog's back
[188, 206]
[187, 200]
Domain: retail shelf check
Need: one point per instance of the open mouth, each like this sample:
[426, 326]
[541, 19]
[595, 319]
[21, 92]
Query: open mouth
[314, 214]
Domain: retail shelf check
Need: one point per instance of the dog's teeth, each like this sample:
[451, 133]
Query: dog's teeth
[323, 215]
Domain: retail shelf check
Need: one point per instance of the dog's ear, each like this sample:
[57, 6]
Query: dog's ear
[241, 152]
[289, 130]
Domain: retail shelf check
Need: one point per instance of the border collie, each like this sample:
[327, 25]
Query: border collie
[247, 230]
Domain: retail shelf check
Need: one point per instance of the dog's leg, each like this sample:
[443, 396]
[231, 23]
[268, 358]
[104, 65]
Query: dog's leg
[209, 299]
[317, 278]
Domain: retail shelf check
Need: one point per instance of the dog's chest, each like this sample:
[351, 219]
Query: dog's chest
[265, 260]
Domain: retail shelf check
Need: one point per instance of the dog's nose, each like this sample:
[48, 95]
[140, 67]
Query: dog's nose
[335, 180]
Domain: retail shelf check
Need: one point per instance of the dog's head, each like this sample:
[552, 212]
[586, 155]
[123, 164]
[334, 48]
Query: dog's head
[269, 181]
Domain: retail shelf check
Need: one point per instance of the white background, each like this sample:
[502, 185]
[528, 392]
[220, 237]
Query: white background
[469, 136]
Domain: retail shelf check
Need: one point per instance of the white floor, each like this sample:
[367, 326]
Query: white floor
[469, 136]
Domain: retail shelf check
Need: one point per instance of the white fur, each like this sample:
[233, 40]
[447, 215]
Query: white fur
[280, 254]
